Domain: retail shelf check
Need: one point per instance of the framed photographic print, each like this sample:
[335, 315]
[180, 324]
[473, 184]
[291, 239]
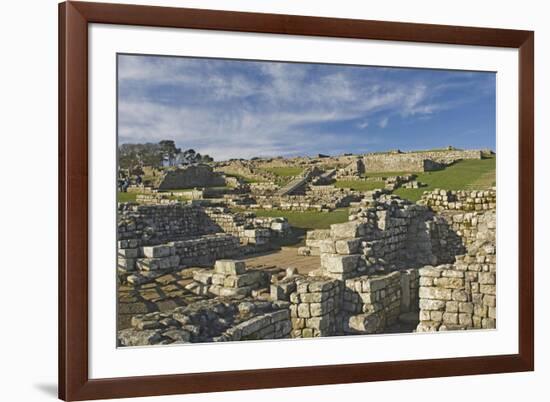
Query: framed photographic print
[259, 200]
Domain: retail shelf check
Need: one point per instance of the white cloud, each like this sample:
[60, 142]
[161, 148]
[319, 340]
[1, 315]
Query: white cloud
[363, 124]
[258, 109]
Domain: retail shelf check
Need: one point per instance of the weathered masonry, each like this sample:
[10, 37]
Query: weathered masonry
[415, 161]
[394, 266]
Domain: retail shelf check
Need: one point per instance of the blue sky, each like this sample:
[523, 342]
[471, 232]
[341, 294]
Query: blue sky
[242, 109]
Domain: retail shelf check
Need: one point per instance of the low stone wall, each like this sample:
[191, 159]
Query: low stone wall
[200, 251]
[457, 297]
[228, 321]
[188, 177]
[441, 200]
[315, 307]
[254, 233]
[416, 161]
[372, 302]
[229, 279]
[154, 224]
[328, 199]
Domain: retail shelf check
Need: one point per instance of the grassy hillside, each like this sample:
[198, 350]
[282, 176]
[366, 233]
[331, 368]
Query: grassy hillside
[463, 175]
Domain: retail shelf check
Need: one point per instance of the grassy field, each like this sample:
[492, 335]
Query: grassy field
[308, 219]
[286, 171]
[463, 175]
[126, 197]
[359, 185]
[301, 222]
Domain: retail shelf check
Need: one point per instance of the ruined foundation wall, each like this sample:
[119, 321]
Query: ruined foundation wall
[191, 176]
[416, 161]
[154, 224]
[165, 237]
[462, 295]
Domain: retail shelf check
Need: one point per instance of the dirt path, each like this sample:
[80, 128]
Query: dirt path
[284, 258]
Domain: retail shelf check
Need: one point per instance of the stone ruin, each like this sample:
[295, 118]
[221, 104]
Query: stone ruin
[164, 237]
[394, 266]
[416, 161]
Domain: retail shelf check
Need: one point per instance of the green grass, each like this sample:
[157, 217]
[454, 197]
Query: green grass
[359, 185]
[285, 171]
[126, 197]
[463, 175]
[301, 222]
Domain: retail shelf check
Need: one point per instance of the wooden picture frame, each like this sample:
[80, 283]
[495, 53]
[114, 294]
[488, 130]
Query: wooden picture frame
[74, 381]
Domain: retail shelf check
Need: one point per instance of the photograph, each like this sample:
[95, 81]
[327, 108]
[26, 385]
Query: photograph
[261, 200]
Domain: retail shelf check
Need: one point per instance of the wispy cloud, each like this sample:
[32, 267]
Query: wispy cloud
[244, 109]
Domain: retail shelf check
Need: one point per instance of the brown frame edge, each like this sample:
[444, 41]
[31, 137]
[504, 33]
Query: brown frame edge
[74, 383]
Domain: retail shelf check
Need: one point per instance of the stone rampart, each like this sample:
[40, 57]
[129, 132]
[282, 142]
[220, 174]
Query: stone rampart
[415, 161]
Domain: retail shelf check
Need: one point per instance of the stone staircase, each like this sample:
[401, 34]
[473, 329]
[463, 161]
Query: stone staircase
[295, 185]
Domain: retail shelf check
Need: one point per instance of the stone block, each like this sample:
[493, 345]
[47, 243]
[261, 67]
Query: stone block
[327, 246]
[203, 277]
[451, 307]
[487, 278]
[155, 264]
[303, 310]
[488, 289]
[347, 246]
[339, 263]
[424, 315]
[489, 300]
[449, 283]
[426, 304]
[128, 252]
[450, 318]
[460, 295]
[465, 307]
[126, 264]
[321, 323]
[434, 293]
[364, 323]
[158, 251]
[230, 267]
[436, 316]
[347, 230]
[430, 272]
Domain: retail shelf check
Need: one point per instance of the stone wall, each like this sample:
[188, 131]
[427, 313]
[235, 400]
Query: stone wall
[384, 233]
[190, 176]
[416, 161]
[154, 224]
[325, 199]
[316, 307]
[462, 295]
[456, 297]
[199, 251]
[254, 233]
[373, 303]
[476, 200]
[166, 237]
